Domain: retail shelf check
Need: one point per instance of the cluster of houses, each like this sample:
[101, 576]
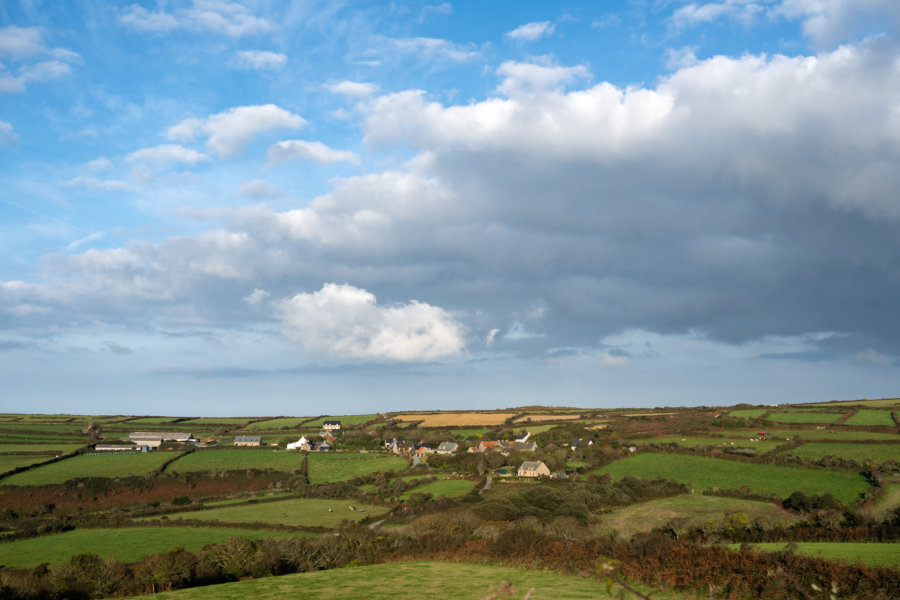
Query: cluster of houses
[144, 441]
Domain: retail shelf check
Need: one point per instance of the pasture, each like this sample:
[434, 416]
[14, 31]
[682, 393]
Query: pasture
[8, 462]
[280, 423]
[449, 419]
[126, 544]
[539, 417]
[451, 488]
[881, 403]
[859, 452]
[218, 421]
[800, 416]
[688, 510]
[761, 445]
[887, 503]
[91, 465]
[827, 434]
[232, 501]
[873, 554]
[228, 459]
[328, 467]
[703, 472]
[306, 512]
[871, 418]
[53, 448]
[459, 581]
[465, 433]
[748, 413]
[344, 419]
[151, 421]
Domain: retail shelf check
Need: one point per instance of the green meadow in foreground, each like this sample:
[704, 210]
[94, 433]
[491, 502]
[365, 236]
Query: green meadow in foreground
[307, 512]
[702, 472]
[126, 544]
[419, 580]
[874, 554]
[91, 465]
[690, 510]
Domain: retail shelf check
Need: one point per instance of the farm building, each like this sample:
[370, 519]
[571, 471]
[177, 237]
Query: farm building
[248, 440]
[526, 446]
[119, 448]
[301, 444]
[533, 468]
[331, 425]
[522, 437]
[447, 448]
[154, 439]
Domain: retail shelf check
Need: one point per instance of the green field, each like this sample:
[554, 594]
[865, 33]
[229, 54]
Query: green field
[232, 501]
[420, 580]
[152, 421]
[8, 462]
[536, 429]
[803, 417]
[882, 403]
[344, 419]
[46, 448]
[875, 554]
[702, 472]
[277, 424]
[215, 422]
[854, 451]
[689, 510]
[450, 488]
[871, 418]
[238, 459]
[126, 544]
[827, 434]
[307, 512]
[41, 428]
[327, 467]
[729, 442]
[91, 465]
[464, 433]
[748, 413]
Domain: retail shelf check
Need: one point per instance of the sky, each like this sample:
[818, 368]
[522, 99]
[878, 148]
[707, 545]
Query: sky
[285, 207]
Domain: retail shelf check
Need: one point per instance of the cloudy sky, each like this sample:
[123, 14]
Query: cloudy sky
[274, 207]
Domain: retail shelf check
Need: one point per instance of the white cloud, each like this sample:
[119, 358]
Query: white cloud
[229, 132]
[741, 10]
[353, 89]
[110, 185]
[531, 31]
[256, 297]
[168, 153]
[74, 245]
[346, 321]
[286, 150]
[260, 59]
[217, 16]
[101, 163]
[491, 337]
[20, 43]
[6, 133]
[444, 8]
[831, 21]
[521, 77]
[431, 47]
[259, 189]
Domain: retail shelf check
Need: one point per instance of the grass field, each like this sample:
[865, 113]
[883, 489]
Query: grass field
[748, 413]
[152, 421]
[703, 472]
[237, 459]
[803, 417]
[858, 452]
[881, 403]
[875, 554]
[328, 467]
[536, 429]
[464, 433]
[450, 488]
[307, 512]
[344, 419]
[91, 465]
[233, 501]
[456, 419]
[420, 580]
[825, 434]
[691, 510]
[126, 544]
[871, 418]
[731, 442]
[280, 423]
[215, 422]
[59, 448]
[8, 462]
[41, 428]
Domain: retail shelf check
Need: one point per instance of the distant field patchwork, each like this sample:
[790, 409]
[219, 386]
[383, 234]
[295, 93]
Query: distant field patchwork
[344, 419]
[762, 445]
[456, 419]
[703, 472]
[804, 417]
[306, 512]
[871, 418]
[747, 413]
[853, 451]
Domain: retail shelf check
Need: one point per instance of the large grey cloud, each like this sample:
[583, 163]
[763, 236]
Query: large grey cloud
[739, 197]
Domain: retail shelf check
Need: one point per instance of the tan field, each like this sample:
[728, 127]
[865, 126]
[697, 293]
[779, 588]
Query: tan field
[456, 419]
[547, 417]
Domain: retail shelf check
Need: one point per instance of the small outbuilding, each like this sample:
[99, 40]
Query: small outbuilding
[248, 440]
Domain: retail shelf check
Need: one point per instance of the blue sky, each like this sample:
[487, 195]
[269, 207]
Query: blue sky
[214, 208]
